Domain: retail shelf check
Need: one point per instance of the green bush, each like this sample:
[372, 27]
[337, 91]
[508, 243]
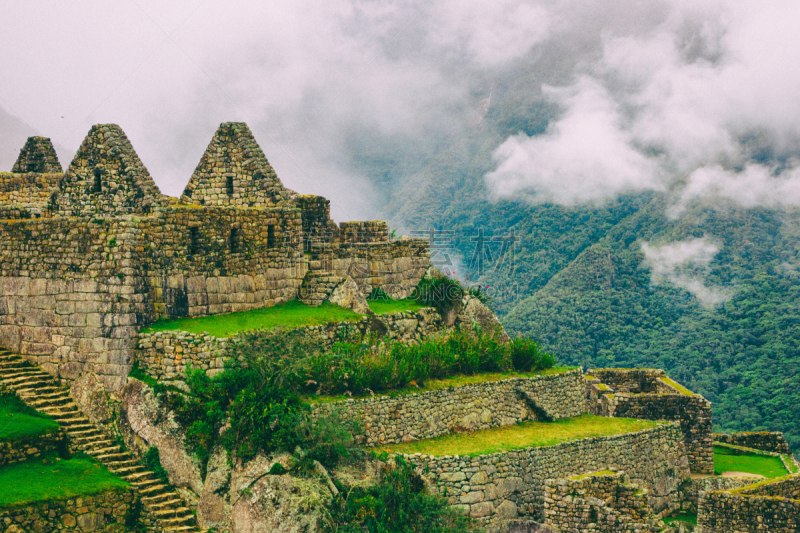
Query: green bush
[440, 292]
[399, 503]
[152, 461]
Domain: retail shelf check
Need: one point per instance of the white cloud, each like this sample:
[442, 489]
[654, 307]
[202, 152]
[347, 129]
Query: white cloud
[678, 263]
[584, 156]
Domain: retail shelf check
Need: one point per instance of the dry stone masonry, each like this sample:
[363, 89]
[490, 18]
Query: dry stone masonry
[33, 447]
[90, 256]
[761, 440]
[651, 395]
[507, 485]
[430, 414]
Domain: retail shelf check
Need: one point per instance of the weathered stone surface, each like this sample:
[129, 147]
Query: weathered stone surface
[474, 312]
[774, 506]
[213, 509]
[145, 423]
[92, 398]
[348, 295]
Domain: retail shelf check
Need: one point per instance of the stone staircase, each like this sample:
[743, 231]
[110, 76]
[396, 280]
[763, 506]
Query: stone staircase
[41, 391]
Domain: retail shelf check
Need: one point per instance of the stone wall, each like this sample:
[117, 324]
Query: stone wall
[395, 266]
[692, 490]
[39, 156]
[469, 407]
[368, 231]
[762, 440]
[234, 172]
[32, 447]
[772, 506]
[164, 355]
[602, 503]
[107, 178]
[26, 195]
[103, 512]
[506, 485]
[649, 395]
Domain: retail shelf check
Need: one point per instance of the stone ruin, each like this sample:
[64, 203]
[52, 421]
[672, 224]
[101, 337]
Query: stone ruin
[91, 255]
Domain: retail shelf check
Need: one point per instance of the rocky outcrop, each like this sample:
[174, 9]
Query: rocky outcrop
[90, 395]
[144, 423]
[348, 295]
[473, 312]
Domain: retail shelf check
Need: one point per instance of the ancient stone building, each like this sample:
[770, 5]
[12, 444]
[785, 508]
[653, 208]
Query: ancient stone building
[91, 255]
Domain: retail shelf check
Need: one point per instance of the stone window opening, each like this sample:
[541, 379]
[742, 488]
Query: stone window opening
[97, 185]
[194, 241]
[271, 236]
[229, 185]
[235, 241]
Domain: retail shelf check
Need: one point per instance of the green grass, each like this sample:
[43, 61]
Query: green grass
[729, 460]
[683, 517]
[447, 383]
[683, 390]
[51, 478]
[389, 307]
[18, 421]
[288, 316]
[524, 435]
[792, 465]
[595, 474]
[139, 374]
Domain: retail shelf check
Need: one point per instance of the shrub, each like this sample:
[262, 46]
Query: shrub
[152, 461]
[440, 292]
[398, 503]
[527, 355]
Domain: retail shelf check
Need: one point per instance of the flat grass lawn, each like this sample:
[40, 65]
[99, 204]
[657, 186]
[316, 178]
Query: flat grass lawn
[683, 517]
[389, 307]
[446, 383]
[524, 435]
[728, 460]
[49, 478]
[290, 315]
[18, 421]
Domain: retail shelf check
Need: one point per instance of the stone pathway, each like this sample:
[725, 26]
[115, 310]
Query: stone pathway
[40, 390]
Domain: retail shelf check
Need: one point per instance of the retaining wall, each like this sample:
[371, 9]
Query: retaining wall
[164, 355]
[762, 440]
[469, 407]
[771, 507]
[32, 447]
[503, 486]
[103, 512]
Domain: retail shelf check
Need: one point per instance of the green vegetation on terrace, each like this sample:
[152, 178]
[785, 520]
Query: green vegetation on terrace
[682, 517]
[444, 383]
[51, 477]
[290, 315]
[389, 307]
[731, 460]
[680, 388]
[595, 474]
[523, 435]
[18, 421]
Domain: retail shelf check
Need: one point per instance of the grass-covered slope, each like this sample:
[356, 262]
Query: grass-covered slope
[51, 478]
[524, 435]
[18, 421]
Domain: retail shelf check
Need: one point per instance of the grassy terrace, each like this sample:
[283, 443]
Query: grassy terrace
[730, 460]
[447, 383]
[524, 435]
[18, 421]
[290, 315]
[51, 478]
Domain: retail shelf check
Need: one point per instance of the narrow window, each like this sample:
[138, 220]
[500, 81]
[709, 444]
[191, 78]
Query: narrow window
[230, 185]
[97, 186]
[202, 201]
[271, 236]
[234, 242]
[194, 241]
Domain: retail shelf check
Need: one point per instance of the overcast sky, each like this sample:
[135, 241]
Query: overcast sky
[704, 91]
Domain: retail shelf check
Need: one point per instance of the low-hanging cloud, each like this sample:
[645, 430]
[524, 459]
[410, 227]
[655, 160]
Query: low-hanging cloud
[706, 91]
[682, 264]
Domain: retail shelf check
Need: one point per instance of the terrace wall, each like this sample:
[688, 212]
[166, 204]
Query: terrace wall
[164, 355]
[104, 512]
[762, 440]
[770, 507]
[469, 407]
[32, 447]
[507, 485]
[648, 395]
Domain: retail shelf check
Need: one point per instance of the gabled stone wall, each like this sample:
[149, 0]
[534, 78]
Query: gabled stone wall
[107, 178]
[27, 195]
[38, 156]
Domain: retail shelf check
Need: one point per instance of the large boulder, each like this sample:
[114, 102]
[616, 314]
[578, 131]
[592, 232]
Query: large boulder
[92, 398]
[214, 506]
[348, 295]
[144, 423]
[473, 312]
